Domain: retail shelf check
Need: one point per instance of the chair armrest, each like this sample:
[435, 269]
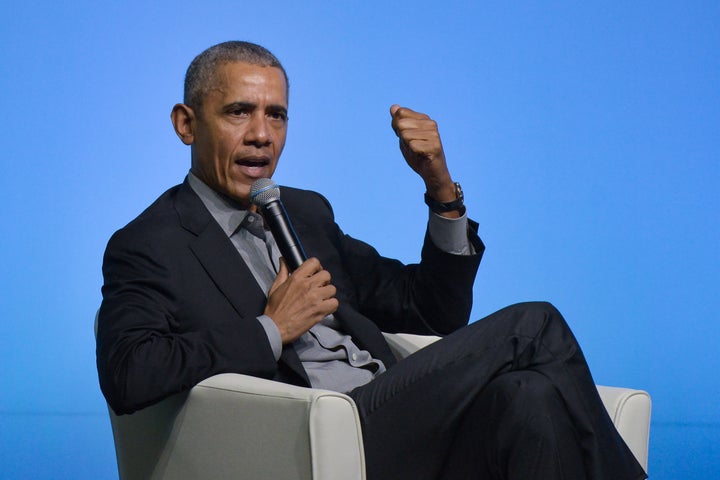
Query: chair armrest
[237, 426]
[405, 344]
[630, 412]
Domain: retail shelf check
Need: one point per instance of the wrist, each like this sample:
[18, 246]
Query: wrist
[448, 204]
[442, 191]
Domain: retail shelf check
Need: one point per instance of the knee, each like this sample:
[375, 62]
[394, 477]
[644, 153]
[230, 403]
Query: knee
[525, 387]
[532, 317]
[530, 397]
[538, 309]
[535, 389]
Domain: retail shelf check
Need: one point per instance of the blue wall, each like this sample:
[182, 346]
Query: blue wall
[585, 135]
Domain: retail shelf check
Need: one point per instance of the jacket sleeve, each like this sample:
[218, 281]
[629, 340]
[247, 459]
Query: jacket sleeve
[153, 339]
[433, 296]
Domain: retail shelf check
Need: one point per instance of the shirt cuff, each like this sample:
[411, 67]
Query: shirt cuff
[273, 335]
[450, 234]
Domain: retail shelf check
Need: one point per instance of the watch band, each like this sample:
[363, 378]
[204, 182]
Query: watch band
[442, 207]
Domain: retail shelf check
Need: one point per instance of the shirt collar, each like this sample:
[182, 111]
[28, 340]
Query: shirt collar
[225, 212]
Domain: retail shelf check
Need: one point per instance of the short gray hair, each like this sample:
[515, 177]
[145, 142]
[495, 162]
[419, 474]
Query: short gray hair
[199, 75]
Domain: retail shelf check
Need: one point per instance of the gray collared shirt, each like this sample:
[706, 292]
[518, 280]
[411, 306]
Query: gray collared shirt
[330, 357]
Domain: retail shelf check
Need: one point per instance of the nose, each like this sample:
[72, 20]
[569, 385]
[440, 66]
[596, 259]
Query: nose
[258, 132]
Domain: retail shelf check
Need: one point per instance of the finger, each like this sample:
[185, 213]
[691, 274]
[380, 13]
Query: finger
[423, 145]
[308, 268]
[329, 291]
[322, 278]
[329, 305]
[424, 134]
[409, 129]
[416, 123]
[398, 111]
[400, 115]
[320, 294]
[403, 113]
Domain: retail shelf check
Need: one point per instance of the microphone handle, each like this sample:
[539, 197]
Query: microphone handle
[287, 241]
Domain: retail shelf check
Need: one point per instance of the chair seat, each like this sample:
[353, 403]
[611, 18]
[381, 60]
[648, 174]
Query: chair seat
[233, 426]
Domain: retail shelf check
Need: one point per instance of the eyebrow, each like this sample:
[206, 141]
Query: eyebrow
[277, 108]
[242, 105]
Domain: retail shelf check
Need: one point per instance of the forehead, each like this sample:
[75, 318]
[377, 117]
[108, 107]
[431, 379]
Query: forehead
[251, 82]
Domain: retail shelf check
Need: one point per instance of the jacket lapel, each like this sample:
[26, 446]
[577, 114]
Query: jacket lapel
[225, 266]
[218, 255]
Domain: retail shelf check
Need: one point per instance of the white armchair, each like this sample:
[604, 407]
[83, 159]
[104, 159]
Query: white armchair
[236, 426]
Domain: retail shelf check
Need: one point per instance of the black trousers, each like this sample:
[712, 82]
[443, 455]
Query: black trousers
[507, 397]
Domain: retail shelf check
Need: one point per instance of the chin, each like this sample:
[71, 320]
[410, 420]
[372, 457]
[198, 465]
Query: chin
[242, 197]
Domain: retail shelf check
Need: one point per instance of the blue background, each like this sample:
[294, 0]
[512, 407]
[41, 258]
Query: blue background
[586, 136]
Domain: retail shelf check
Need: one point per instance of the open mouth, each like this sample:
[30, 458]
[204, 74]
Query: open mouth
[253, 162]
[253, 167]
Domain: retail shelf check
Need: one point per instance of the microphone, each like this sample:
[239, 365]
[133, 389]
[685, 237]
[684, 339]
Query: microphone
[265, 194]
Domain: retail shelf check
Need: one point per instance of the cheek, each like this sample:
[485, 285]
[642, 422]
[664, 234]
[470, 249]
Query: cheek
[222, 154]
[279, 144]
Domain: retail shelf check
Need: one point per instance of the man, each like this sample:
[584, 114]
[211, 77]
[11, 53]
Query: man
[195, 287]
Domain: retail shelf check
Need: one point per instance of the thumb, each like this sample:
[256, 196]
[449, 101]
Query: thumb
[281, 277]
[393, 122]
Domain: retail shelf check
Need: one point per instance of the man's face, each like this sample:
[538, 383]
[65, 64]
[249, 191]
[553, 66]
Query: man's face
[239, 133]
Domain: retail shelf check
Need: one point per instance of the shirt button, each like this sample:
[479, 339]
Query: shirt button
[354, 356]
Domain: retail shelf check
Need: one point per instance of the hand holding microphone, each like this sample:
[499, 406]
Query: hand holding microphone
[295, 302]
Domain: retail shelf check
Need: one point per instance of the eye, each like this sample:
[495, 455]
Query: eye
[280, 116]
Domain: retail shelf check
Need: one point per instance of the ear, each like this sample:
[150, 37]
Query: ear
[183, 119]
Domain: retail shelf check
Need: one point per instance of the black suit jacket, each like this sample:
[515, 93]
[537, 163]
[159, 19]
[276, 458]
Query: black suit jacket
[180, 305]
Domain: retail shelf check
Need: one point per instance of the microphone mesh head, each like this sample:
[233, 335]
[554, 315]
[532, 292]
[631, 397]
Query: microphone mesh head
[264, 190]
